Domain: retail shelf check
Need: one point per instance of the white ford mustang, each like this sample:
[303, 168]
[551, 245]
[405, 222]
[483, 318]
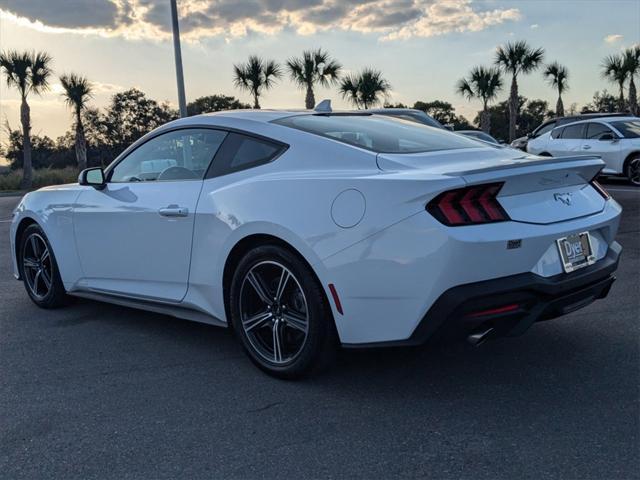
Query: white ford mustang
[303, 230]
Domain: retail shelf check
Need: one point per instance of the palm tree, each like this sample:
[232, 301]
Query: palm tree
[516, 58]
[482, 83]
[29, 73]
[365, 89]
[613, 69]
[632, 66]
[77, 92]
[557, 75]
[255, 76]
[313, 67]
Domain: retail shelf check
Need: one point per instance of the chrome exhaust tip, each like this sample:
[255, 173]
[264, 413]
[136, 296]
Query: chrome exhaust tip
[480, 336]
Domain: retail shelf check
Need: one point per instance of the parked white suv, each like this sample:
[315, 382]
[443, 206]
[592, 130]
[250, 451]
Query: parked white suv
[616, 140]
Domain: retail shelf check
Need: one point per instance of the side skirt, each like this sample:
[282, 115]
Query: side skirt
[178, 311]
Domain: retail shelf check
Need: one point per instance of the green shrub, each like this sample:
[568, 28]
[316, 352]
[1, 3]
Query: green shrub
[42, 177]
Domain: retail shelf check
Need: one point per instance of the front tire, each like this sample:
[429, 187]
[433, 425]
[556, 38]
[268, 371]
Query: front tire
[633, 170]
[39, 269]
[280, 314]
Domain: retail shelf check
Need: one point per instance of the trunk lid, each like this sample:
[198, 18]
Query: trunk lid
[536, 190]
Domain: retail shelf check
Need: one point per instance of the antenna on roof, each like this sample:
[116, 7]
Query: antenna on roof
[324, 106]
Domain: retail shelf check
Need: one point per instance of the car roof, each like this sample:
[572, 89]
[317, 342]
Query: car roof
[609, 118]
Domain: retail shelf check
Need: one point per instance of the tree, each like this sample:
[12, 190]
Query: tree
[77, 92]
[602, 103]
[214, 103]
[29, 73]
[631, 62]
[531, 113]
[365, 89]
[443, 112]
[613, 69]
[314, 67]
[255, 76]
[482, 83]
[517, 58]
[557, 76]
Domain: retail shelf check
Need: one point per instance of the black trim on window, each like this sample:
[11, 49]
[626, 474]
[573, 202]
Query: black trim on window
[222, 161]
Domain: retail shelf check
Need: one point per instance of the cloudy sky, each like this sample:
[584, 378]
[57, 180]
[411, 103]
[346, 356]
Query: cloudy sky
[422, 46]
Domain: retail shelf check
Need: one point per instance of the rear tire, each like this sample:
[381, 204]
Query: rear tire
[280, 314]
[632, 170]
[39, 269]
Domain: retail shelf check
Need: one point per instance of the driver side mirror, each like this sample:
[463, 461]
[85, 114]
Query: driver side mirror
[93, 177]
[607, 137]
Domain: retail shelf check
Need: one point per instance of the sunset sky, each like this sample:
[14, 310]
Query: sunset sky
[422, 46]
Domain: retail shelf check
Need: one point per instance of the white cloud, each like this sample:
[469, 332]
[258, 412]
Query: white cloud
[613, 38]
[534, 26]
[150, 19]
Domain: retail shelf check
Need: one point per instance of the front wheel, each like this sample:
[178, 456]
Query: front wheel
[280, 314]
[39, 270]
[633, 171]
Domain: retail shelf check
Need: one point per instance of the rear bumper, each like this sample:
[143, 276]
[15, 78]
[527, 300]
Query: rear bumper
[537, 298]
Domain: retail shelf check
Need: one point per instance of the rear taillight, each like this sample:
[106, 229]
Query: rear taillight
[468, 206]
[600, 189]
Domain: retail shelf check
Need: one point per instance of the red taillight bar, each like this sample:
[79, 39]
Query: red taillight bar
[468, 206]
[600, 189]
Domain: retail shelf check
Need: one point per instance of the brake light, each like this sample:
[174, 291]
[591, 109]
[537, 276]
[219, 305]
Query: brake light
[468, 206]
[600, 189]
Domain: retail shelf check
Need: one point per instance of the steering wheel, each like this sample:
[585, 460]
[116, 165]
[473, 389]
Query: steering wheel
[177, 173]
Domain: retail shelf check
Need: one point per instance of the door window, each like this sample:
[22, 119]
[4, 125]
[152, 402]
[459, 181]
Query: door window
[572, 132]
[177, 155]
[596, 130]
[544, 129]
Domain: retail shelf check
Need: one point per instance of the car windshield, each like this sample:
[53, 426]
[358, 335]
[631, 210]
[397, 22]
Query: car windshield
[379, 133]
[628, 128]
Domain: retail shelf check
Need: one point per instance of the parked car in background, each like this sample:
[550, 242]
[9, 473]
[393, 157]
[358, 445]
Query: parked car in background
[615, 139]
[480, 135]
[546, 127]
[410, 114]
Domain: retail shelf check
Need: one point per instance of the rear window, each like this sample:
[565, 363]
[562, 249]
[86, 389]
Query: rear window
[628, 128]
[379, 133]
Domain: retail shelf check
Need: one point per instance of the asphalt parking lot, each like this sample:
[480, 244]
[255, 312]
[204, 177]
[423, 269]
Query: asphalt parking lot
[100, 391]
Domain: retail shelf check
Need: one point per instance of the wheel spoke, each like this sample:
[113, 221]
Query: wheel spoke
[34, 245]
[295, 321]
[284, 278]
[277, 342]
[257, 284]
[46, 279]
[44, 255]
[257, 320]
[29, 263]
[35, 281]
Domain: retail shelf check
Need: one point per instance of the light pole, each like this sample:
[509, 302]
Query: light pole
[178, 54]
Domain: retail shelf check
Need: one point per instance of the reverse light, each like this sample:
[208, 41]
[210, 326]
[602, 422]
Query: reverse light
[600, 189]
[468, 206]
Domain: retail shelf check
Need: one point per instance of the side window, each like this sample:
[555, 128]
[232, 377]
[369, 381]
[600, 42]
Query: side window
[239, 152]
[596, 130]
[572, 131]
[178, 155]
[544, 129]
[557, 133]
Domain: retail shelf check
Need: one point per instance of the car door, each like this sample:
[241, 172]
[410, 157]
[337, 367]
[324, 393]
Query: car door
[134, 236]
[566, 140]
[602, 141]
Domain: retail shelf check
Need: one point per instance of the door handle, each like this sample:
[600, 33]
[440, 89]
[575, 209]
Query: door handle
[174, 211]
[586, 147]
